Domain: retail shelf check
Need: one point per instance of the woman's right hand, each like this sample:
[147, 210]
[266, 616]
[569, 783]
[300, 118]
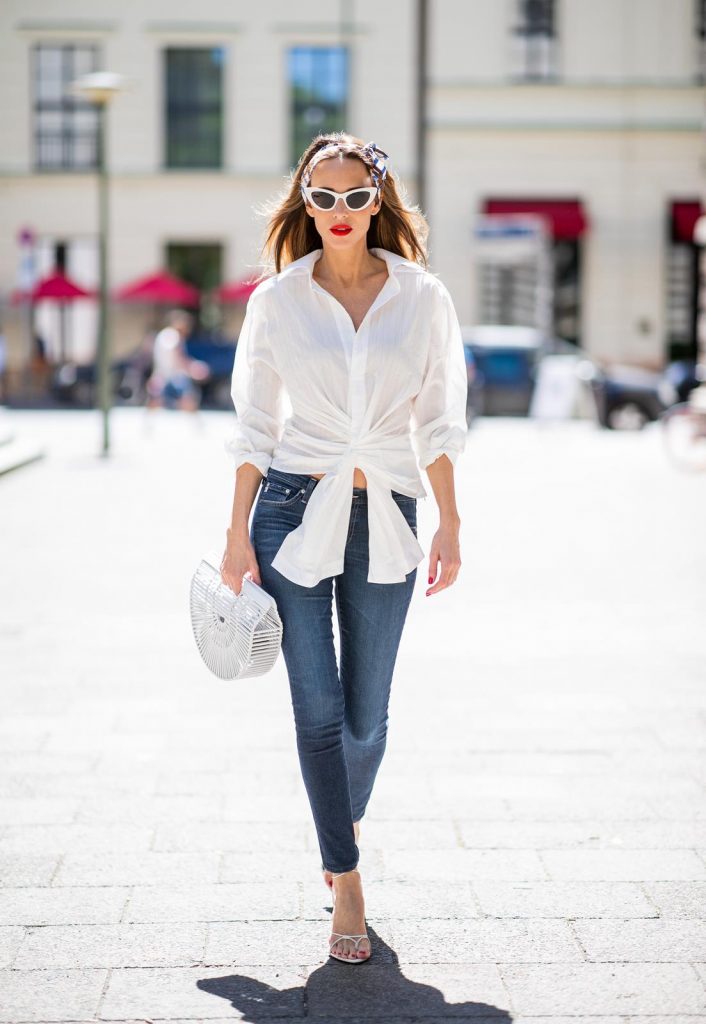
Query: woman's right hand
[239, 560]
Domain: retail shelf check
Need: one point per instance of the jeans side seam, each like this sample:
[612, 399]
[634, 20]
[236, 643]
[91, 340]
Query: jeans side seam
[351, 525]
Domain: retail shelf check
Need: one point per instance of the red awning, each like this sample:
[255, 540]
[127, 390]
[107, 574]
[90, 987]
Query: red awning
[159, 288]
[236, 291]
[54, 286]
[684, 217]
[566, 216]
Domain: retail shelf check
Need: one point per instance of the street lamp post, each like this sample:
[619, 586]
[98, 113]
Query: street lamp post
[26, 280]
[421, 102]
[99, 88]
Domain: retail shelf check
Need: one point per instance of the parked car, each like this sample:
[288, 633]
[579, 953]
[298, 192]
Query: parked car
[218, 353]
[628, 397]
[471, 380]
[75, 383]
[506, 357]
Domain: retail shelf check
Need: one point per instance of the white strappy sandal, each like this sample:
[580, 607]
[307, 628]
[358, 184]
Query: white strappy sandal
[337, 936]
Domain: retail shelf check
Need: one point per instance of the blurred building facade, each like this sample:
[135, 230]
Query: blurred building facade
[589, 114]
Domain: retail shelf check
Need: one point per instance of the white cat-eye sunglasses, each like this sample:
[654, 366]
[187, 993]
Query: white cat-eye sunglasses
[325, 198]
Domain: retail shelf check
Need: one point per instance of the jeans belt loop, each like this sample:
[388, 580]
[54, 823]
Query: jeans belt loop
[311, 484]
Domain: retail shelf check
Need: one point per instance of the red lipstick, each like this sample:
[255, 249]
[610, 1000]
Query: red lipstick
[341, 229]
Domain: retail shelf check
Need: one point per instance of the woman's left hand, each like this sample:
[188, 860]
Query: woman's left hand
[445, 549]
[198, 369]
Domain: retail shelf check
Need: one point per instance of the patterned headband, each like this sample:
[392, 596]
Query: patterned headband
[373, 156]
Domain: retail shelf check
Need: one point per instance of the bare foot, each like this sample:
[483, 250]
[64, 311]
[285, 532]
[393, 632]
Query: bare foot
[349, 916]
[328, 875]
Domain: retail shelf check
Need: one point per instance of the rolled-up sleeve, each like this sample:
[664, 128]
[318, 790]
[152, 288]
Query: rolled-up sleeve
[256, 391]
[439, 409]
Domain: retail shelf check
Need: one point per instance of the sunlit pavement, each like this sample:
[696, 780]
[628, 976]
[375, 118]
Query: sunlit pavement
[535, 847]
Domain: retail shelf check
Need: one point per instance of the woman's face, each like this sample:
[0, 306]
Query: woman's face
[342, 174]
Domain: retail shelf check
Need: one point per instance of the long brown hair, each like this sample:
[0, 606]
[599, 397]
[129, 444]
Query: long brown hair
[291, 232]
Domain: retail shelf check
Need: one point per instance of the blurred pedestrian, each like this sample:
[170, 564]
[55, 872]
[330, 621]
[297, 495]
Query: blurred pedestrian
[175, 374]
[3, 366]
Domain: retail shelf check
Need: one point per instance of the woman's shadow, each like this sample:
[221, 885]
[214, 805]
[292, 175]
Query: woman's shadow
[377, 991]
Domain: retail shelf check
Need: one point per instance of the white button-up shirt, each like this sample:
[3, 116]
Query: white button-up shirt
[389, 398]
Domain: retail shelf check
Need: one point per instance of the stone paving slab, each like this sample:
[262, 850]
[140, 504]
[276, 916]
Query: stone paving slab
[596, 834]
[676, 940]
[461, 865]
[438, 991]
[588, 808]
[491, 940]
[625, 865]
[82, 838]
[206, 992]
[106, 945]
[624, 988]
[247, 901]
[242, 836]
[69, 905]
[29, 869]
[11, 939]
[51, 995]
[605, 900]
[152, 809]
[133, 868]
[678, 899]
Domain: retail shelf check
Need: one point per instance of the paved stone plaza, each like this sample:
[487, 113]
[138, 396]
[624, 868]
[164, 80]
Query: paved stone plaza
[535, 847]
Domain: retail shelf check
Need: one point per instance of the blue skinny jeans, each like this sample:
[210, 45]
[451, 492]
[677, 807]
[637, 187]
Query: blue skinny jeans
[340, 718]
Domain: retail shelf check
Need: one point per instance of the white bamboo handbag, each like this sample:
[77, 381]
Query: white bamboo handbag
[237, 635]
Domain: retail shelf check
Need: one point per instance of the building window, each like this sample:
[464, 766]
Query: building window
[682, 280]
[67, 331]
[318, 79]
[537, 281]
[700, 18]
[65, 125]
[194, 107]
[513, 293]
[534, 38]
[201, 264]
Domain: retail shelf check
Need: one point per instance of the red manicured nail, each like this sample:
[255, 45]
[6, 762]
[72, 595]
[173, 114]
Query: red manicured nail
[431, 579]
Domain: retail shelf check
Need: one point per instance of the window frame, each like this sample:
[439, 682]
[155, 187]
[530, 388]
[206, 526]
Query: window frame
[196, 109]
[296, 144]
[67, 105]
[529, 36]
[700, 40]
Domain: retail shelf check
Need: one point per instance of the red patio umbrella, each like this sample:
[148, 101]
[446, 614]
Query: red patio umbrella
[236, 291]
[59, 288]
[54, 286]
[161, 288]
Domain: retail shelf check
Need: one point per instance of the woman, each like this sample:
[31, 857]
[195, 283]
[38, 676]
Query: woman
[360, 337]
[173, 370]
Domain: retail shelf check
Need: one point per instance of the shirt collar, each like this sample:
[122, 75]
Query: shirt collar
[395, 263]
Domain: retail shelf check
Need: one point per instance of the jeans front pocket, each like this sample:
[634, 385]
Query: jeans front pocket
[274, 492]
